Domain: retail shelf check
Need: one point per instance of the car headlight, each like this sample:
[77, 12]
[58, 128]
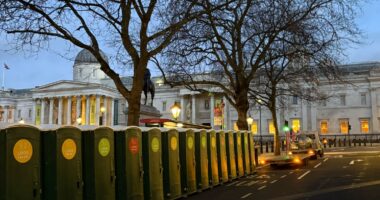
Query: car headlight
[310, 152]
[290, 153]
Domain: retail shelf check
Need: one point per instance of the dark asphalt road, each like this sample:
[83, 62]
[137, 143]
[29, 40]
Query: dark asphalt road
[344, 173]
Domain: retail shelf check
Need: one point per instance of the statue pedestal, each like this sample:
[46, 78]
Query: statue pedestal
[149, 112]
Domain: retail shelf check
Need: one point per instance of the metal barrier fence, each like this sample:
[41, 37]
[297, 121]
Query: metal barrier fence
[266, 142]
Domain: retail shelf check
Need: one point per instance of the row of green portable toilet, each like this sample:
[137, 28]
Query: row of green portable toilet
[137, 157]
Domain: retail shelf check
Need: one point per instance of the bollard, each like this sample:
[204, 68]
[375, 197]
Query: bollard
[354, 141]
[360, 142]
[344, 142]
[256, 157]
[365, 142]
[339, 143]
[261, 147]
[266, 147]
[272, 146]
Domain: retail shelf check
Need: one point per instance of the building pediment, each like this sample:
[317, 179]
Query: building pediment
[64, 85]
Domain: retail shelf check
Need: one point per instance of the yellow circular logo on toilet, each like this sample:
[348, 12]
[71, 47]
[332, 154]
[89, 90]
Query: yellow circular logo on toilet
[69, 149]
[203, 141]
[155, 144]
[190, 142]
[173, 143]
[104, 147]
[23, 151]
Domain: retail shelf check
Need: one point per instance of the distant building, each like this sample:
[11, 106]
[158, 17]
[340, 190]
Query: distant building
[91, 98]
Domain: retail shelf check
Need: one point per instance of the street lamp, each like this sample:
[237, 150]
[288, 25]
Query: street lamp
[259, 101]
[175, 109]
[102, 110]
[79, 121]
[250, 122]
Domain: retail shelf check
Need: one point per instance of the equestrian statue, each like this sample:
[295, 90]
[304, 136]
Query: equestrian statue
[148, 87]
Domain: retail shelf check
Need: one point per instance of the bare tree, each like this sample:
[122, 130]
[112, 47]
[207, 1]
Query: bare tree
[136, 30]
[226, 48]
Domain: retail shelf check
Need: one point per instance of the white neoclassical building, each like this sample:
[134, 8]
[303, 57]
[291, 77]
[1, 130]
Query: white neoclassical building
[92, 99]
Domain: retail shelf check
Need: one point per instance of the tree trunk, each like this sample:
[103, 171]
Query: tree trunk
[242, 107]
[134, 100]
[277, 147]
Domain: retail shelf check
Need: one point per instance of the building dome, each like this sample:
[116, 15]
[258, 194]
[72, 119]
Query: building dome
[86, 56]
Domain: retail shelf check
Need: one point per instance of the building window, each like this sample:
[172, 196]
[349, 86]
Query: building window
[296, 125]
[80, 72]
[343, 123]
[254, 127]
[324, 127]
[30, 113]
[18, 113]
[364, 126]
[363, 99]
[207, 104]
[236, 128]
[116, 112]
[295, 100]
[164, 106]
[342, 100]
[271, 128]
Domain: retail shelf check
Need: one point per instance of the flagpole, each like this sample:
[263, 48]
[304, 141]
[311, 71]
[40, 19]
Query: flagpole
[3, 79]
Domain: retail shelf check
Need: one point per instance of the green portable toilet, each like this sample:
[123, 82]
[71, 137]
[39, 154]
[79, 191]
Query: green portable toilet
[252, 152]
[201, 155]
[213, 158]
[230, 151]
[152, 162]
[171, 163]
[20, 163]
[128, 162]
[62, 163]
[98, 163]
[238, 154]
[245, 150]
[222, 156]
[187, 159]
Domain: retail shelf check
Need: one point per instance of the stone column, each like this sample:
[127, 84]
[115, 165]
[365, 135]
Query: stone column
[193, 112]
[78, 108]
[6, 110]
[183, 111]
[112, 111]
[97, 110]
[374, 111]
[42, 116]
[51, 104]
[60, 108]
[225, 114]
[212, 102]
[34, 111]
[88, 109]
[68, 116]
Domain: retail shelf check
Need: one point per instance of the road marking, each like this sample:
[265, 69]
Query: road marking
[241, 183]
[251, 183]
[262, 187]
[283, 176]
[247, 195]
[304, 174]
[233, 183]
[273, 181]
[317, 165]
[352, 162]
[325, 159]
[344, 167]
[328, 190]
[291, 172]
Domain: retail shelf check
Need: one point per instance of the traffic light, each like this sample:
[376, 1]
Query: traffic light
[285, 128]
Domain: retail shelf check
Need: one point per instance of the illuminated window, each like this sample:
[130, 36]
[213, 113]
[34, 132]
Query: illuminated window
[296, 125]
[271, 128]
[364, 126]
[324, 127]
[343, 126]
[254, 127]
[164, 106]
[235, 127]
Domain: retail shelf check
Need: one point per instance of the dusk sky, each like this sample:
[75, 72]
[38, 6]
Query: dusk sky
[28, 71]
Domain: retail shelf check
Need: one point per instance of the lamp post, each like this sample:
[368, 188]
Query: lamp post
[259, 101]
[176, 110]
[102, 110]
[249, 121]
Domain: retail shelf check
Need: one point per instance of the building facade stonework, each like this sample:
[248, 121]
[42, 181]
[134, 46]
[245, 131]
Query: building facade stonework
[92, 99]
